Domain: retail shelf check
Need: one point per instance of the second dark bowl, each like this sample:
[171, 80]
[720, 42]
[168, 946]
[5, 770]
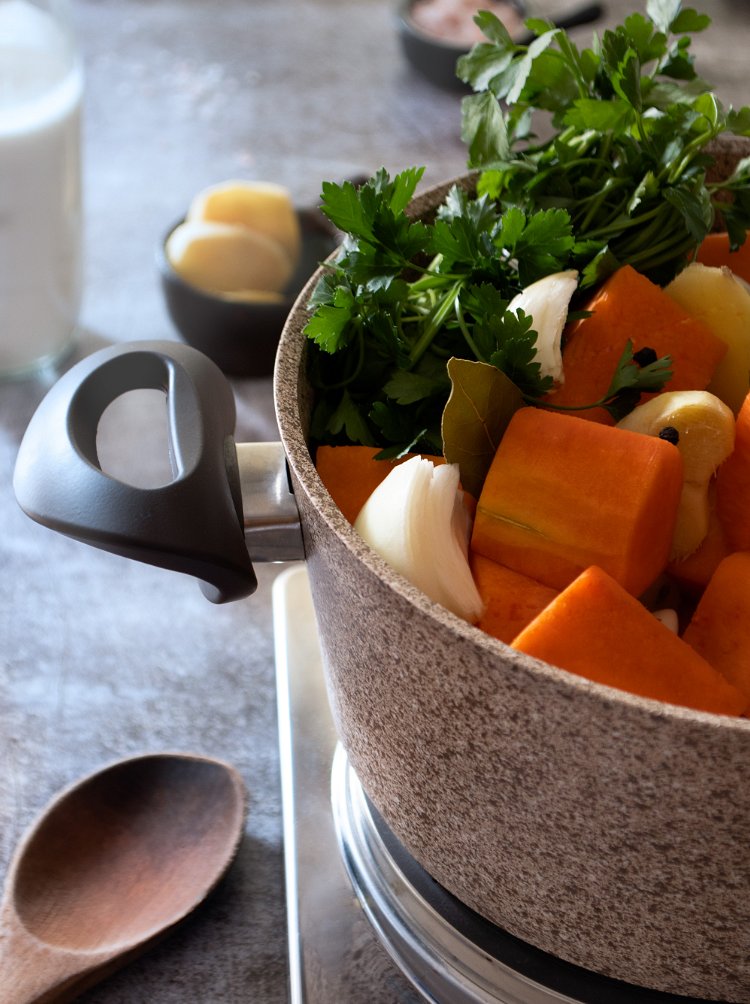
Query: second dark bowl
[432, 57]
[435, 58]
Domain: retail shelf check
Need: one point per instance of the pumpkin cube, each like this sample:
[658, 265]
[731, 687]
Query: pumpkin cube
[511, 600]
[719, 630]
[629, 307]
[597, 630]
[733, 485]
[562, 494]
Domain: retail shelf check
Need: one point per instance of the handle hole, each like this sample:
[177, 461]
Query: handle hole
[133, 440]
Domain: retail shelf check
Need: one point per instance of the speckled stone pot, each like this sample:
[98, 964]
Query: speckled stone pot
[609, 830]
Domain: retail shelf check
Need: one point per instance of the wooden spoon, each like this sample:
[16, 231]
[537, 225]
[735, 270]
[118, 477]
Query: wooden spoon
[112, 863]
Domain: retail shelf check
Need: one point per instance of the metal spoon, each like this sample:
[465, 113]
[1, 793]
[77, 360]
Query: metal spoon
[112, 863]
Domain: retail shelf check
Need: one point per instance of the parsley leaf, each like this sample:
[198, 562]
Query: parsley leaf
[631, 128]
[403, 297]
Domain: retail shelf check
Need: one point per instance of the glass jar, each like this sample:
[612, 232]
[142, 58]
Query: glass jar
[41, 85]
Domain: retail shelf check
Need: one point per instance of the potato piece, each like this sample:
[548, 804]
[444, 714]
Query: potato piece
[222, 258]
[719, 299]
[260, 205]
[704, 429]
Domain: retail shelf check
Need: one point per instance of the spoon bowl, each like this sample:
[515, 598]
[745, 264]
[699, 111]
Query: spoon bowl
[112, 863]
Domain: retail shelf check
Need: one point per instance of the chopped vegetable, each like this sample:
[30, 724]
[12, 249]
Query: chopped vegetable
[720, 627]
[733, 485]
[546, 302]
[693, 573]
[716, 251]
[511, 600]
[630, 310]
[223, 258]
[416, 520]
[721, 301]
[351, 474]
[563, 494]
[261, 206]
[702, 428]
[596, 629]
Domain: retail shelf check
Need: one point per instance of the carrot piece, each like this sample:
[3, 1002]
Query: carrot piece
[562, 494]
[733, 485]
[714, 251]
[720, 627]
[511, 600]
[351, 474]
[631, 307]
[597, 630]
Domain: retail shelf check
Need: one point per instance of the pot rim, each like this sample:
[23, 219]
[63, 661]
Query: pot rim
[288, 388]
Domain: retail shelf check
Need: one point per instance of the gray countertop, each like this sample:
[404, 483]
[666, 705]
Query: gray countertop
[101, 657]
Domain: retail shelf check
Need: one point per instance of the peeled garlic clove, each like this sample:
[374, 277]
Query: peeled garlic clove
[416, 520]
[703, 427]
[263, 206]
[546, 301]
[222, 258]
[669, 619]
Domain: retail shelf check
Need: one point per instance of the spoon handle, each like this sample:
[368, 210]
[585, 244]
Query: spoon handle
[34, 973]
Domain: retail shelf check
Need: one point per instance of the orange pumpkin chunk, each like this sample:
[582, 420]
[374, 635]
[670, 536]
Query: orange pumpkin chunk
[562, 494]
[733, 485]
[694, 572]
[631, 307]
[597, 630]
[720, 627]
[511, 600]
[714, 252]
[351, 474]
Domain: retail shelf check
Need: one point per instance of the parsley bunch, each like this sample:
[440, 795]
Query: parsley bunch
[406, 295]
[632, 126]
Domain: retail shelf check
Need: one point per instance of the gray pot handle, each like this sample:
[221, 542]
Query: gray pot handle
[193, 524]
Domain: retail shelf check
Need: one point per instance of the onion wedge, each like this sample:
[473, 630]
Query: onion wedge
[417, 521]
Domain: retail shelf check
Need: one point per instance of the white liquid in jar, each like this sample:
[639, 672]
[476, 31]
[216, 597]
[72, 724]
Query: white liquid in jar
[41, 85]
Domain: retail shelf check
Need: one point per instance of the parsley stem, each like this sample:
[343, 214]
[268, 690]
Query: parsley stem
[434, 323]
[675, 171]
[618, 224]
[667, 251]
[464, 328]
[541, 402]
[358, 363]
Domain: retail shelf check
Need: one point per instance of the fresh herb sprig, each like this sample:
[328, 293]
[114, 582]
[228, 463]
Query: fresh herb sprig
[631, 129]
[636, 373]
[404, 296]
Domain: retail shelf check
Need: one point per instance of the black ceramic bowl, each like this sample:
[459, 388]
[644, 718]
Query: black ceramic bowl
[240, 336]
[435, 58]
[432, 57]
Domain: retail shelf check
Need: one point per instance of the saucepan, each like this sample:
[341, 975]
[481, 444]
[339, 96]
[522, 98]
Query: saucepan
[606, 829]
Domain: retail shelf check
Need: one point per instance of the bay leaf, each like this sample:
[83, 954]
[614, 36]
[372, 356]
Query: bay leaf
[482, 402]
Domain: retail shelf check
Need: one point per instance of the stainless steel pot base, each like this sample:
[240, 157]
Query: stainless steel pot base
[366, 923]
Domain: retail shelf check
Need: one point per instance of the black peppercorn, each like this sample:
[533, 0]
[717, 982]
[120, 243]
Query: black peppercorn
[644, 357]
[670, 434]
